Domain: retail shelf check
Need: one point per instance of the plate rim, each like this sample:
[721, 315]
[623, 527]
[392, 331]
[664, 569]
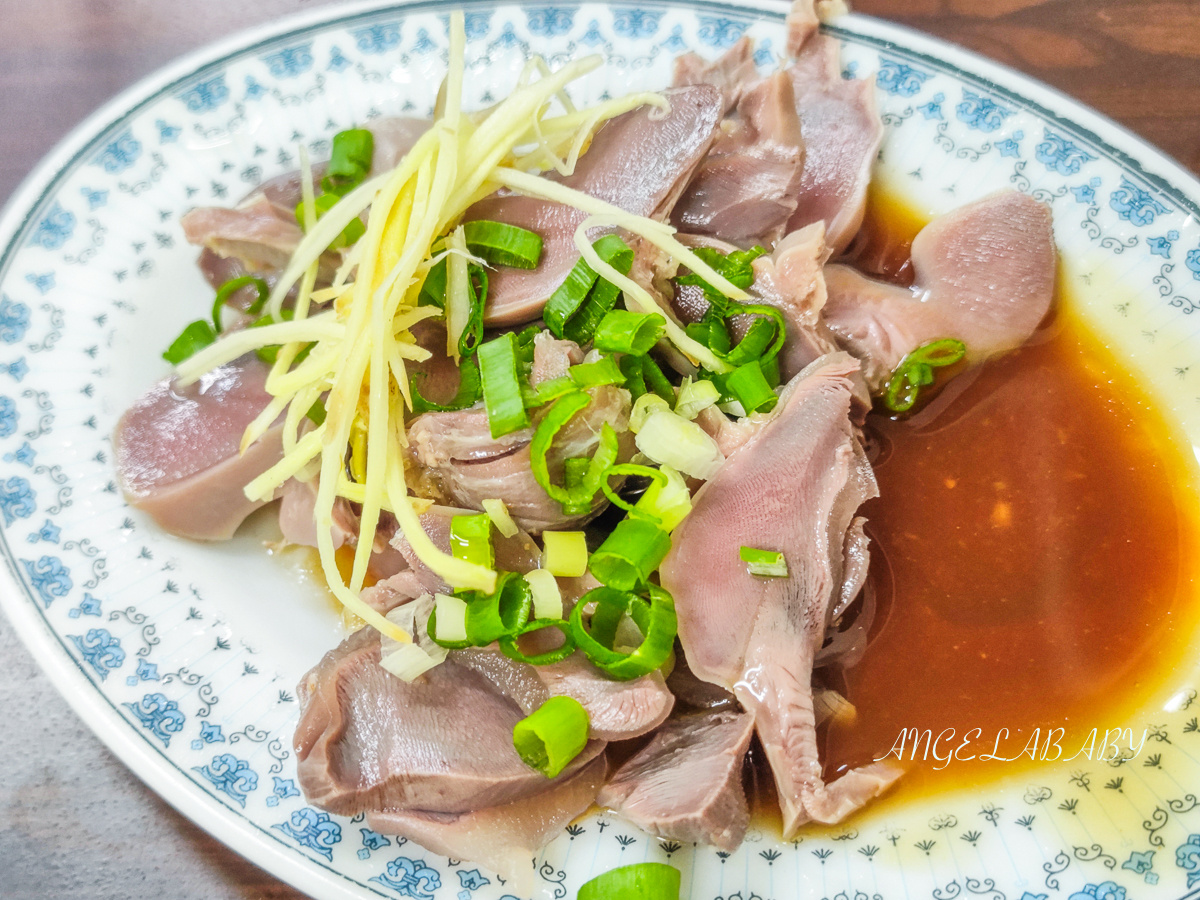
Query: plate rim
[75, 685]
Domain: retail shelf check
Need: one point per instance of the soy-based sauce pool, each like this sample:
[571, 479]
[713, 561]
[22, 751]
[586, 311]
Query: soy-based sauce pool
[1032, 551]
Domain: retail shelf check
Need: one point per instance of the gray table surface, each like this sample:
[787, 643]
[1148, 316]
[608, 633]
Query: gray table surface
[73, 821]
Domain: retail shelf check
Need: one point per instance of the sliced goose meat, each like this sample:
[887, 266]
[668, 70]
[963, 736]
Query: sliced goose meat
[394, 137]
[792, 280]
[552, 358]
[393, 591]
[460, 455]
[795, 485]
[842, 133]
[746, 189]
[686, 784]
[297, 518]
[639, 161]
[177, 450]
[513, 554]
[369, 741]
[258, 236]
[733, 72]
[297, 521]
[503, 838]
[617, 710]
[984, 274]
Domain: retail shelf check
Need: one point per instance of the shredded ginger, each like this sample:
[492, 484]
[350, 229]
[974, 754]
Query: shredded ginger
[359, 332]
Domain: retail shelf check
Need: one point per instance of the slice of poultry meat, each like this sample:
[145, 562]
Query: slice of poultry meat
[792, 280]
[794, 486]
[177, 453]
[443, 744]
[297, 521]
[617, 710]
[503, 838]
[984, 274]
[638, 161]
[259, 235]
[746, 189]
[458, 452]
[732, 72]
[842, 133]
[686, 784]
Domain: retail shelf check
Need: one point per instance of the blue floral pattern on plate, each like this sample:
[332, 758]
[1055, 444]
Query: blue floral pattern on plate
[210, 692]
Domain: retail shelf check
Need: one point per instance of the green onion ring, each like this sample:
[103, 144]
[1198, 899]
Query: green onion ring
[225, 291]
[510, 648]
[630, 469]
[655, 618]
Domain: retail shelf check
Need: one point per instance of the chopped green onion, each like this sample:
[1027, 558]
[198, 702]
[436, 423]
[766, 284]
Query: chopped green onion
[655, 476]
[643, 408]
[576, 308]
[574, 472]
[916, 371]
[510, 648]
[630, 554]
[593, 374]
[441, 640]
[564, 553]
[504, 245]
[233, 285]
[668, 502]
[656, 381]
[673, 440]
[500, 517]
[655, 619]
[468, 394]
[471, 540]
[770, 370]
[504, 611]
[477, 289]
[695, 397]
[711, 331]
[642, 881]
[548, 739]
[632, 369]
[749, 387]
[547, 598]
[575, 499]
[433, 289]
[350, 160]
[194, 338]
[549, 391]
[767, 563]
[622, 331]
[501, 389]
[736, 266]
[451, 618]
[763, 339]
[316, 413]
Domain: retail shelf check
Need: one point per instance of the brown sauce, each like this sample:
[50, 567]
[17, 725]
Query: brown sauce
[1030, 551]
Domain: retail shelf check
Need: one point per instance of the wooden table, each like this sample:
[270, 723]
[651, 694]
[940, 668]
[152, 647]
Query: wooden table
[73, 821]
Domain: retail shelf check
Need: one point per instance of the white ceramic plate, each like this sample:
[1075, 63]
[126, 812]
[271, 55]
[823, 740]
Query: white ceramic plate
[184, 657]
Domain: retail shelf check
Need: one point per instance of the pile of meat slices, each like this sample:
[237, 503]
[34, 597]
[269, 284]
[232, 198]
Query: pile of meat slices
[782, 160]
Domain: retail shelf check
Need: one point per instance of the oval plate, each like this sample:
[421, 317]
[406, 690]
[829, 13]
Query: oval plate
[183, 657]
